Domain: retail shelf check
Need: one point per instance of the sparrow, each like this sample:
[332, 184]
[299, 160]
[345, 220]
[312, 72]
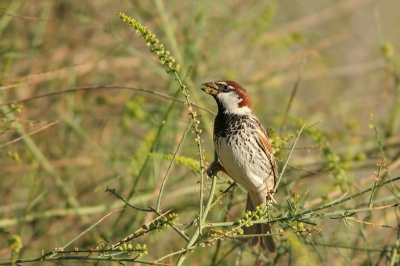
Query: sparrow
[244, 151]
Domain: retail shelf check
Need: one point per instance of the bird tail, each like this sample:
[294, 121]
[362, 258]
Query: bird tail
[264, 241]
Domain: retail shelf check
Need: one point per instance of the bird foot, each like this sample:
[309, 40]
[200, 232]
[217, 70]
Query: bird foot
[215, 166]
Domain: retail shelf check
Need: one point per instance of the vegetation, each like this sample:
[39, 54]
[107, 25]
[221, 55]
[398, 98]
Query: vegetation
[106, 135]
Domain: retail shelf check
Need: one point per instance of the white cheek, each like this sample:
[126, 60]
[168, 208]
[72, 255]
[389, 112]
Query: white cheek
[231, 101]
[241, 111]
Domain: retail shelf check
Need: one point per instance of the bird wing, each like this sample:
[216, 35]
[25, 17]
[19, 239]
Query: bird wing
[263, 142]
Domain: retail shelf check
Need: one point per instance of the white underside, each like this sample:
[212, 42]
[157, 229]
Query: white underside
[248, 175]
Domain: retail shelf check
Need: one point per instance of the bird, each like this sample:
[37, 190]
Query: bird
[244, 152]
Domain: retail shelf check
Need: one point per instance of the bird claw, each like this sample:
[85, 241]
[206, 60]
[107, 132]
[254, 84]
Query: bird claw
[217, 167]
[269, 195]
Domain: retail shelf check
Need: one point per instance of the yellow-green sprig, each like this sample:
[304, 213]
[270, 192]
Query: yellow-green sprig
[156, 48]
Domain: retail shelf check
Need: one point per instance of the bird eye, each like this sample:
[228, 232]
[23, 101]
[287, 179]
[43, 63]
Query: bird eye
[224, 86]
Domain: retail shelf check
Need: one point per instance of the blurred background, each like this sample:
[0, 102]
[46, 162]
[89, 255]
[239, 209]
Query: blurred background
[337, 60]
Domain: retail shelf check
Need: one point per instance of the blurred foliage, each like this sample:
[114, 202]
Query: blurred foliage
[189, 162]
[343, 53]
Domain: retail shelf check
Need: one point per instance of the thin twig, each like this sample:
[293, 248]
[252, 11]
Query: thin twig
[97, 87]
[112, 191]
[32, 132]
[374, 224]
[90, 228]
[294, 91]
[132, 236]
[307, 214]
[288, 158]
[158, 206]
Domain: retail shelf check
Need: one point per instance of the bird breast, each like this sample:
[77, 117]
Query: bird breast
[240, 154]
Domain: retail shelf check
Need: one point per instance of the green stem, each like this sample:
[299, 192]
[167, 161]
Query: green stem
[212, 192]
[144, 165]
[307, 214]
[288, 158]
[80, 258]
[294, 91]
[350, 247]
[329, 205]
[203, 217]
[371, 198]
[11, 9]
[395, 249]
[158, 206]
[96, 87]
[385, 161]
[171, 254]
[394, 116]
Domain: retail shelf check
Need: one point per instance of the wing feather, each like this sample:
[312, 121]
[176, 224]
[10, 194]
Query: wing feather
[264, 144]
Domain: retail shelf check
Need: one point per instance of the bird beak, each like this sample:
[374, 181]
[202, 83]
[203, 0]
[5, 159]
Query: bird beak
[210, 88]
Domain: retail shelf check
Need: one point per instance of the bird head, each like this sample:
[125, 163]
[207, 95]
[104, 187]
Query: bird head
[230, 96]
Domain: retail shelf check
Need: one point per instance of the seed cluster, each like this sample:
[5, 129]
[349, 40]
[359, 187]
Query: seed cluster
[158, 49]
